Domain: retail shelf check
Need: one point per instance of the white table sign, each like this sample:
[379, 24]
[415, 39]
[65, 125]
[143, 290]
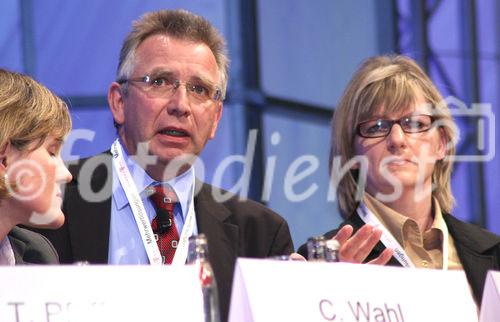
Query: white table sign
[99, 293]
[267, 290]
[490, 307]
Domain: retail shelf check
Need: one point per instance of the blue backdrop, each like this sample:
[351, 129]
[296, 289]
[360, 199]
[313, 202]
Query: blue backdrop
[288, 69]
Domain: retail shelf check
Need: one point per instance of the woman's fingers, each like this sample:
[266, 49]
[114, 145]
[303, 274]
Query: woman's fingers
[356, 248]
[383, 258]
[343, 234]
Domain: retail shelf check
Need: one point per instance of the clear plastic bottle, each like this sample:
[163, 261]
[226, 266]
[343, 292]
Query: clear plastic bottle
[332, 250]
[321, 250]
[316, 249]
[198, 255]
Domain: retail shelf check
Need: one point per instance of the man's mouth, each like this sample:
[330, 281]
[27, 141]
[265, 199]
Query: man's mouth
[174, 132]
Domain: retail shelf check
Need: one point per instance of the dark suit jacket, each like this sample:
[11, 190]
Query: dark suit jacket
[478, 249]
[234, 228]
[31, 248]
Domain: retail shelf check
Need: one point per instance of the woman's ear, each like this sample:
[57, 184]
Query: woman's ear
[4, 151]
[442, 145]
[8, 155]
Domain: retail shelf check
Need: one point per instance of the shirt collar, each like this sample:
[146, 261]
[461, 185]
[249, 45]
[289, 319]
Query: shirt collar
[139, 176]
[439, 222]
[432, 239]
[390, 218]
[6, 253]
[394, 221]
[181, 184]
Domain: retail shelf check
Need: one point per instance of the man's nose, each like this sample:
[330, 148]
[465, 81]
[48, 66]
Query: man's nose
[179, 101]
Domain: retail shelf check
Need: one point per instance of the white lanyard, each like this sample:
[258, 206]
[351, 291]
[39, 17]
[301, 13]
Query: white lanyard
[390, 242]
[141, 217]
[187, 230]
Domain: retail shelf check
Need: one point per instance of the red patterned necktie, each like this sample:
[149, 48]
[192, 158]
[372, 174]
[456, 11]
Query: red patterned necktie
[163, 225]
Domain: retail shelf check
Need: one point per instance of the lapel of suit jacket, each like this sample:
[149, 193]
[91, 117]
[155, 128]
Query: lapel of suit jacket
[473, 246]
[18, 246]
[89, 222]
[211, 218]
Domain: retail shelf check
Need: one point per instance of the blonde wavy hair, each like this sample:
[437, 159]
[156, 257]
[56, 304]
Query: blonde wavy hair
[29, 112]
[394, 82]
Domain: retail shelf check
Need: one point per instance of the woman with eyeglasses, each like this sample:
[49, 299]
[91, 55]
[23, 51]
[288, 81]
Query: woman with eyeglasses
[393, 143]
[33, 123]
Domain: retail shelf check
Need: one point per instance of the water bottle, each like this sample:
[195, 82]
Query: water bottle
[316, 249]
[198, 255]
[332, 250]
[321, 250]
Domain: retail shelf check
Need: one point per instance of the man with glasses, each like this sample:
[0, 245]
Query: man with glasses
[166, 102]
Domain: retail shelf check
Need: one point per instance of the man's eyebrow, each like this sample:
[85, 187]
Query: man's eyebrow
[161, 71]
[193, 78]
[201, 79]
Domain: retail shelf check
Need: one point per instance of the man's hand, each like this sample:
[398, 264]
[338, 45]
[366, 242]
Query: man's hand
[355, 248]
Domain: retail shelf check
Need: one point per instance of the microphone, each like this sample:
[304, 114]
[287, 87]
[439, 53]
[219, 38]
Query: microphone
[163, 220]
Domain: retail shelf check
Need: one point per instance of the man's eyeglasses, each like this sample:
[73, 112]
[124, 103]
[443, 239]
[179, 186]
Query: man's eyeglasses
[164, 86]
[377, 128]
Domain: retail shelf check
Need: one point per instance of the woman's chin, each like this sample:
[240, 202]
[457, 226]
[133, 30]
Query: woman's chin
[52, 219]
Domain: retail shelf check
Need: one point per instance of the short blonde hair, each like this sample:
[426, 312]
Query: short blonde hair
[392, 82]
[29, 112]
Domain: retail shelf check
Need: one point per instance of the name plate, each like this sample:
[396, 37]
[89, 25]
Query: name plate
[267, 290]
[99, 293]
[490, 306]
